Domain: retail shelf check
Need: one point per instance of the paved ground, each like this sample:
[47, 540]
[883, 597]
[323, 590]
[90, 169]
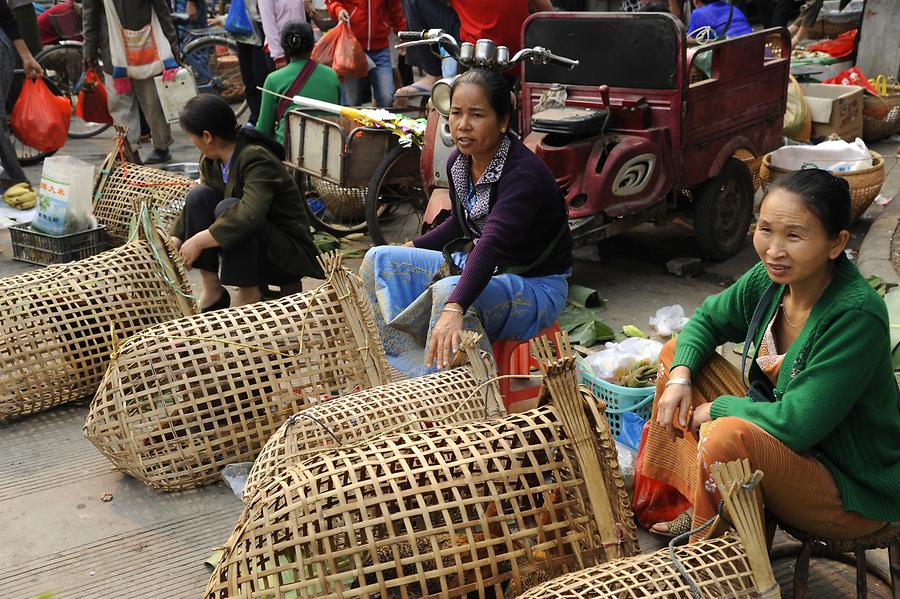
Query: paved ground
[57, 535]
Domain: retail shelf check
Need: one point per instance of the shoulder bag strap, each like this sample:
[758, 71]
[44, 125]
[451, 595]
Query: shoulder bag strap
[295, 88]
[764, 302]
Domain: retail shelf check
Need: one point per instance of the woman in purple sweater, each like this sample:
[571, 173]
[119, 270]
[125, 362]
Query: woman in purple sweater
[498, 265]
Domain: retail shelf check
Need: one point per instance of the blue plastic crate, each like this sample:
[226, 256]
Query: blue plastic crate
[618, 399]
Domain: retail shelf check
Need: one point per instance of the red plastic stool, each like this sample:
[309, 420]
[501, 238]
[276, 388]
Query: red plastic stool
[514, 357]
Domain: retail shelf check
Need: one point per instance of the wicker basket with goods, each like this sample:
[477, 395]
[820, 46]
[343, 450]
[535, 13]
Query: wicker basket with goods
[465, 393]
[61, 324]
[734, 565]
[121, 183]
[881, 113]
[493, 506]
[753, 163]
[864, 184]
[343, 202]
[183, 400]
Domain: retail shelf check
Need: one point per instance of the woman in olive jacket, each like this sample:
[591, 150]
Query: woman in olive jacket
[247, 210]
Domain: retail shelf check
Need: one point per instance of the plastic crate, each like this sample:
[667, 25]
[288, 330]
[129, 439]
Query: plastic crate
[35, 247]
[618, 399]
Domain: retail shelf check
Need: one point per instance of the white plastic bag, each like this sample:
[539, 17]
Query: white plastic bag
[173, 95]
[64, 196]
[618, 358]
[837, 156]
[627, 457]
[668, 320]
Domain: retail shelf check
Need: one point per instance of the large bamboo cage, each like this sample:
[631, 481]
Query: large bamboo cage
[465, 393]
[182, 400]
[488, 508]
[733, 565]
[121, 183]
[61, 324]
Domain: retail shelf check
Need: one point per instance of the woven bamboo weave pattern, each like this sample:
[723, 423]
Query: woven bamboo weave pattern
[457, 395]
[60, 324]
[881, 115]
[184, 399]
[119, 187]
[495, 506]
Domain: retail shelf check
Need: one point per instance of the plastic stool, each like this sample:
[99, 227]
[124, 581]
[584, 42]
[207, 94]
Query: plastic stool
[514, 357]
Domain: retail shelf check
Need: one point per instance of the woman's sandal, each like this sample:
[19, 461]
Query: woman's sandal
[678, 526]
[220, 304]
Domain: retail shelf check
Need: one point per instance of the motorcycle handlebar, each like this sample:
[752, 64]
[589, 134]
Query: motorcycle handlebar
[411, 36]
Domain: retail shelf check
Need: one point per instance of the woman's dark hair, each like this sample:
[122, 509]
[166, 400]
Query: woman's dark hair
[826, 196]
[209, 112]
[494, 85]
[297, 39]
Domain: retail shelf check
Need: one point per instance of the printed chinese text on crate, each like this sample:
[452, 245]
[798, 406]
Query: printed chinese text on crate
[183, 400]
[497, 505]
[464, 393]
[60, 324]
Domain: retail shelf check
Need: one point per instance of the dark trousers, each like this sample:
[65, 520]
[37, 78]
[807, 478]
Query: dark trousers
[255, 67]
[429, 14]
[777, 13]
[244, 265]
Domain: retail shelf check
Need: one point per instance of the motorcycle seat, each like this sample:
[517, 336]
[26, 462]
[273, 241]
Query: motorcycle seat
[569, 121]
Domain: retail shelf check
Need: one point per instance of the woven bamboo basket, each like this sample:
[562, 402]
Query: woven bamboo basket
[864, 184]
[486, 507]
[733, 565]
[465, 393]
[824, 29]
[182, 400]
[61, 323]
[753, 163]
[881, 114]
[342, 202]
[121, 183]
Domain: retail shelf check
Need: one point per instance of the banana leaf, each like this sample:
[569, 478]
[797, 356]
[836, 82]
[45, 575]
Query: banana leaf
[585, 327]
[584, 297]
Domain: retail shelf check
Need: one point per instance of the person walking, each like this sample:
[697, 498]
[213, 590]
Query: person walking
[275, 15]
[136, 41]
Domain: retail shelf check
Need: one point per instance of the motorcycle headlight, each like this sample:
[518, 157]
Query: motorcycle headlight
[440, 96]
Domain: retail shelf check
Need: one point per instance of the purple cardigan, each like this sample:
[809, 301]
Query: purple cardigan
[526, 214]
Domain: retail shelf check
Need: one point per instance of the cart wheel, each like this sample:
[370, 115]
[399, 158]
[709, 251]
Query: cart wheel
[396, 202]
[321, 217]
[723, 209]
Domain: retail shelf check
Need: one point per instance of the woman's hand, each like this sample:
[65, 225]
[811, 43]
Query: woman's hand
[344, 16]
[176, 242]
[32, 69]
[701, 415]
[675, 401]
[190, 249]
[445, 337]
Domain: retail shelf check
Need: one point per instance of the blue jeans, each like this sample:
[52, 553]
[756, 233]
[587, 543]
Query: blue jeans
[381, 78]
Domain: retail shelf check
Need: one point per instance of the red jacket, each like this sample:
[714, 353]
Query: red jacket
[371, 20]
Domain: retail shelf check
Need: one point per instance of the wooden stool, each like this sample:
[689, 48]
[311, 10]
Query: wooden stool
[888, 537]
[513, 356]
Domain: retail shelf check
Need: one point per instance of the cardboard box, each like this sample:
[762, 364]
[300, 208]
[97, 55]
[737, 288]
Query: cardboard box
[835, 109]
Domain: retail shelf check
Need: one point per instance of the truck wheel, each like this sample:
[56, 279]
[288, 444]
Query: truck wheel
[723, 209]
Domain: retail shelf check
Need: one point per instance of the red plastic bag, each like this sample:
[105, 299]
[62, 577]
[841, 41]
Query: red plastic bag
[654, 501]
[340, 50]
[93, 103]
[839, 47]
[39, 119]
[852, 76]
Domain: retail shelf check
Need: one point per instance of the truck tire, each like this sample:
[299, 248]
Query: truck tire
[723, 209]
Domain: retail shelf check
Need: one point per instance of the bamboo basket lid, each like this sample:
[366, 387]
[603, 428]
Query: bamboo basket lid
[734, 565]
[491, 506]
[61, 324]
[465, 393]
[182, 400]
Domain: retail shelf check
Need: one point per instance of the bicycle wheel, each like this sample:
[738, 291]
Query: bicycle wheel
[214, 61]
[26, 154]
[62, 65]
[396, 201]
[333, 209]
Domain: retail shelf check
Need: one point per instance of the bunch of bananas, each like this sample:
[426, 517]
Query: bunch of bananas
[21, 196]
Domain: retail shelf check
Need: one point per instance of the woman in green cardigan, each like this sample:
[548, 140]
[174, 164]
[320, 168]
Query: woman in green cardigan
[820, 417]
[247, 210]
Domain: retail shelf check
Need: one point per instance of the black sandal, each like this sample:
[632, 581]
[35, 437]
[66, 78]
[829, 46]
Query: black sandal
[220, 304]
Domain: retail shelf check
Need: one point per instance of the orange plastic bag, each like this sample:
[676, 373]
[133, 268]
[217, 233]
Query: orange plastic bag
[93, 102]
[340, 50]
[39, 119]
[654, 501]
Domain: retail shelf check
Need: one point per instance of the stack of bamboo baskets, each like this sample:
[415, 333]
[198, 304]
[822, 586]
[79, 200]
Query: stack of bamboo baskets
[182, 400]
[492, 506]
[61, 324]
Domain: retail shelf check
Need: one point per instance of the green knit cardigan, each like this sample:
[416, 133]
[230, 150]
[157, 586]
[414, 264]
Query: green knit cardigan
[835, 396]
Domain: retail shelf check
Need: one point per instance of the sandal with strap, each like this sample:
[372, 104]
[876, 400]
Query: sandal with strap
[678, 526]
